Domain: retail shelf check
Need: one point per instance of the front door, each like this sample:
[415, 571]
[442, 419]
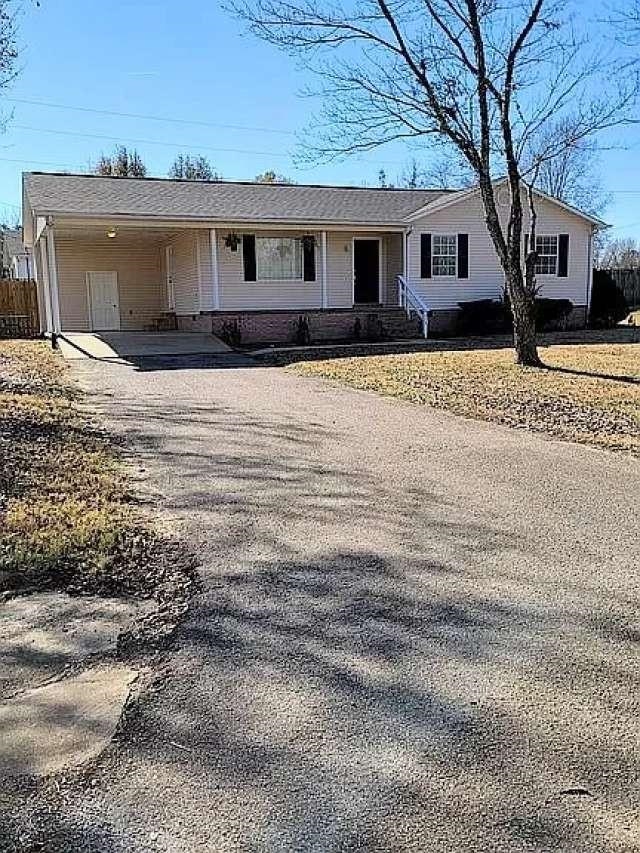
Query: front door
[366, 271]
[104, 302]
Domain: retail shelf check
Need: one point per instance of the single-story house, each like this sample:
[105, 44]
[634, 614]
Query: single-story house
[16, 258]
[267, 262]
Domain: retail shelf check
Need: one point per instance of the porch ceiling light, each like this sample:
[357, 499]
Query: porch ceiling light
[111, 233]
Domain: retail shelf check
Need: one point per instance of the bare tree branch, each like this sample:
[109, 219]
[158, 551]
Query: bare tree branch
[478, 77]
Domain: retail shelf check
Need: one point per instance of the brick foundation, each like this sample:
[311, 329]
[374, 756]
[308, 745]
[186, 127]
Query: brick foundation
[288, 327]
[445, 321]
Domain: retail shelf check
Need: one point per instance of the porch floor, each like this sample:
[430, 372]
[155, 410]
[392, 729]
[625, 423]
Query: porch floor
[123, 345]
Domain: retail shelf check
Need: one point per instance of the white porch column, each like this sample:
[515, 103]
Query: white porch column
[42, 299]
[405, 256]
[53, 282]
[323, 247]
[214, 269]
[43, 266]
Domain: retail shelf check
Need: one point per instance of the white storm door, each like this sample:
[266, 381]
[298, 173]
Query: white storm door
[104, 301]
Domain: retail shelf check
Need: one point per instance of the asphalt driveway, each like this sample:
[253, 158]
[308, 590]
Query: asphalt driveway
[417, 632]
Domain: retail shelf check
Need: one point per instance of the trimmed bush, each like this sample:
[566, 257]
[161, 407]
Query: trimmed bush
[552, 313]
[484, 317]
[608, 303]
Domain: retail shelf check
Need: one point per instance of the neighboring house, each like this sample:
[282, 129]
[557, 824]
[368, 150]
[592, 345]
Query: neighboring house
[250, 260]
[16, 259]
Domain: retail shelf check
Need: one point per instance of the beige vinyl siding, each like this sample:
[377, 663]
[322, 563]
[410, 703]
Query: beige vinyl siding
[340, 266]
[339, 269]
[185, 272]
[486, 279]
[140, 284]
[206, 274]
[393, 267]
[238, 294]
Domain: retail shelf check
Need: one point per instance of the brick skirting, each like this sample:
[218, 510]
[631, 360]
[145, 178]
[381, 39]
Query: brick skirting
[300, 327]
[251, 328]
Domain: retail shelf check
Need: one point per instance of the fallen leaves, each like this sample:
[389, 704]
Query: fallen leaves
[586, 393]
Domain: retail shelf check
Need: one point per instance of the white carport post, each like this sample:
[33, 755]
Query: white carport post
[323, 252]
[43, 266]
[214, 269]
[53, 283]
[44, 309]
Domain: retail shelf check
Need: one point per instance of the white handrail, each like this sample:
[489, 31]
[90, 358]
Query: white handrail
[412, 302]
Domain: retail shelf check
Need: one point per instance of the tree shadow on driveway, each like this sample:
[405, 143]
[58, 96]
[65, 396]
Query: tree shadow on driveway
[381, 659]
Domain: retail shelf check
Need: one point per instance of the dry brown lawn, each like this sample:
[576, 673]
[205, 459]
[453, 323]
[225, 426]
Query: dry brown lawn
[588, 393]
[66, 515]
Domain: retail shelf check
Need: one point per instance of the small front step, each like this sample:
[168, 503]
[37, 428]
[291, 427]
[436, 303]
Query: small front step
[392, 323]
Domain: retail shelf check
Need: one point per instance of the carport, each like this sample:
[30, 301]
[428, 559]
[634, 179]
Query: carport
[102, 346]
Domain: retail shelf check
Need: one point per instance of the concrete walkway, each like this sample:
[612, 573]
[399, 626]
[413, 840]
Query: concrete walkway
[127, 345]
[417, 632]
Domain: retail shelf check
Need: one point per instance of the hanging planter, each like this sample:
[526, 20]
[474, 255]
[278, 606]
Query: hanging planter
[232, 241]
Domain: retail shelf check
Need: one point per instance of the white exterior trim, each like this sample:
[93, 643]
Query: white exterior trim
[457, 197]
[169, 276]
[53, 282]
[454, 277]
[589, 276]
[102, 221]
[41, 247]
[325, 271]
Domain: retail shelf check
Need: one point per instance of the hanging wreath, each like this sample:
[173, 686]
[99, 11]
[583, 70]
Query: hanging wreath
[232, 241]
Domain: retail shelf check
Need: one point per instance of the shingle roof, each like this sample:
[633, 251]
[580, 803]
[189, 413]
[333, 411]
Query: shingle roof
[79, 195]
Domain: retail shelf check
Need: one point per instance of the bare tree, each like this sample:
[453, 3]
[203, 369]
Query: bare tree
[439, 172]
[122, 163]
[474, 76]
[8, 46]
[567, 167]
[190, 168]
[623, 253]
[272, 177]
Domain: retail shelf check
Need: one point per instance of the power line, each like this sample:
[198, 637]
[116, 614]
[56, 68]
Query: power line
[148, 117]
[180, 145]
[62, 166]
[66, 167]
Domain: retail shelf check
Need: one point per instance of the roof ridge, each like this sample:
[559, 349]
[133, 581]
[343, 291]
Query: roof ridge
[161, 179]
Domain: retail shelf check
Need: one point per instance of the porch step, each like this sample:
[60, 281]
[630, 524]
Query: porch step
[391, 323]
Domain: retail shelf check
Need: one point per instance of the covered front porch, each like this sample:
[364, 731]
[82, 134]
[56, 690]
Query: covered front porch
[245, 282]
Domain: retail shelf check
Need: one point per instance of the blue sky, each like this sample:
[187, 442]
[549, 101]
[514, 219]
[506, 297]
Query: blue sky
[188, 61]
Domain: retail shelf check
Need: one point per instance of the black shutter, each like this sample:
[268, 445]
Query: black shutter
[425, 256]
[463, 256]
[563, 255]
[526, 245]
[249, 256]
[309, 260]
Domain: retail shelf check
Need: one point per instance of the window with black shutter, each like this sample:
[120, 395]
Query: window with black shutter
[249, 256]
[425, 256]
[309, 259]
[463, 256]
[563, 255]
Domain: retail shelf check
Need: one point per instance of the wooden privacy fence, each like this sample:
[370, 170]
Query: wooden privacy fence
[18, 309]
[629, 283]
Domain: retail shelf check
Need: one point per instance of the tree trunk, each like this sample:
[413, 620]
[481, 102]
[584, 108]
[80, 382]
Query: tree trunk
[524, 322]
